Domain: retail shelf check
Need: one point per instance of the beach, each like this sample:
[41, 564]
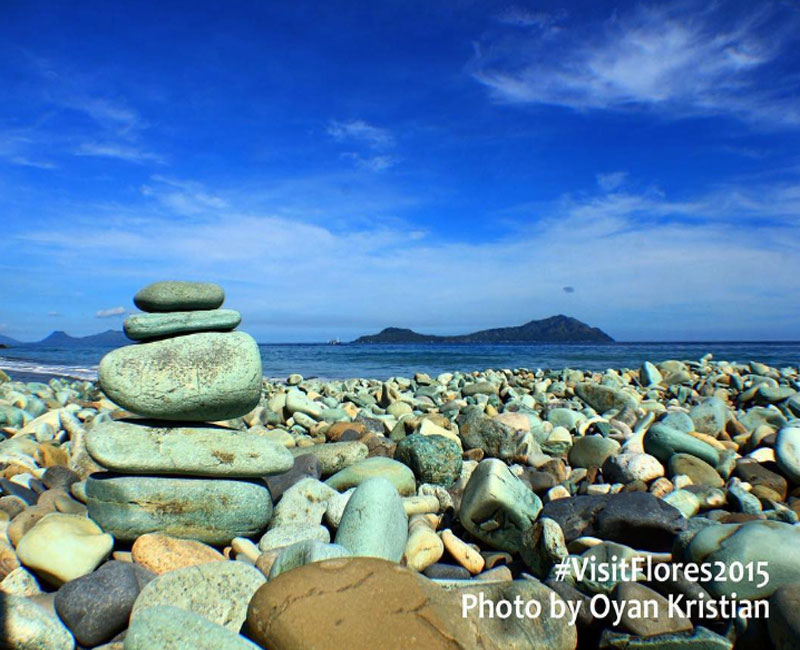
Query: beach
[459, 494]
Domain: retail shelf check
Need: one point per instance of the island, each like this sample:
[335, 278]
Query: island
[556, 329]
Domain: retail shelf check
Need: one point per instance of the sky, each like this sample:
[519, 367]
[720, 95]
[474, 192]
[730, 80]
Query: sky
[448, 166]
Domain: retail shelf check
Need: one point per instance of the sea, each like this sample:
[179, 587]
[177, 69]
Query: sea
[378, 361]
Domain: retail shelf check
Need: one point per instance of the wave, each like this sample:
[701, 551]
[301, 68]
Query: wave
[32, 367]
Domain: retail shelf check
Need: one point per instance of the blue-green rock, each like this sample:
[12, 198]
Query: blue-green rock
[787, 452]
[399, 475]
[374, 522]
[710, 416]
[206, 376]
[305, 552]
[663, 441]
[592, 451]
[141, 327]
[604, 398]
[209, 510]
[497, 507]
[433, 459]
[179, 296]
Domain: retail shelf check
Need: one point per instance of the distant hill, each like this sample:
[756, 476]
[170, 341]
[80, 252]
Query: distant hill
[556, 329]
[107, 338]
[7, 340]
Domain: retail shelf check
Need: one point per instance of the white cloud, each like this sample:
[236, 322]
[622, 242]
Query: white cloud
[360, 132]
[110, 313]
[377, 163]
[118, 151]
[183, 197]
[54, 314]
[611, 180]
[640, 261]
[680, 58]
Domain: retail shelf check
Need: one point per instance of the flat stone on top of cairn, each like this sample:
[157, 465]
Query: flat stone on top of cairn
[179, 296]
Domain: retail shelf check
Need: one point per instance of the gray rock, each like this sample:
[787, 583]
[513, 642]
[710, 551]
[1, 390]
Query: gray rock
[217, 591]
[95, 607]
[700, 639]
[26, 626]
[169, 628]
[179, 296]
[784, 617]
[497, 507]
[145, 447]
[698, 470]
[787, 452]
[210, 510]
[478, 431]
[649, 374]
[710, 416]
[334, 456]
[305, 552]
[141, 327]
[396, 473]
[433, 459]
[604, 398]
[304, 466]
[207, 376]
[374, 523]
[592, 451]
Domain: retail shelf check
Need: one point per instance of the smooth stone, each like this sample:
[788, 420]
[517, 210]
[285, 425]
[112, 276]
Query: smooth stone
[169, 628]
[298, 402]
[289, 534]
[678, 420]
[700, 639]
[60, 547]
[605, 398]
[423, 546]
[196, 377]
[141, 327]
[95, 607]
[304, 466]
[784, 617]
[592, 451]
[147, 447]
[305, 552]
[217, 591]
[374, 522]
[634, 599]
[497, 507]
[684, 501]
[480, 388]
[710, 416]
[179, 296]
[696, 469]
[567, 418]
[637, 519]
[543, 546]
[334, 456]
[650, 375]
[18, 582]
[357, 603]
[756, 474]
[662, 442]
[787, 452]
[543, 633]
[433, 459]
[209, 510]
[26, 626]
[396, 473]
[161, 553]
[305, 502]
[632, 466]
[756, 541]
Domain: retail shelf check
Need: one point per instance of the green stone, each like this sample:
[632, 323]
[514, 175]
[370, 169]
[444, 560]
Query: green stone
[374, 522]
[696, 469]
[396, 473]
[334, 456]
[179, 296]
[197, 377]
[164, 626]
[592, 451]
[209, 510]
[144, 447]
[497, 507]
[141, 327]
[710, 416]
[433, 459]
[305, 552]
[663, 441]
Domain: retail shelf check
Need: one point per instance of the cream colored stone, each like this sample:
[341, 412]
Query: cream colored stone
[423, 546]
[462, 552]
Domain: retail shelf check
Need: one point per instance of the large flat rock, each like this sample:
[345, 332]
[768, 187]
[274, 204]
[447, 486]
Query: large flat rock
[145, 447]
[209, 510]
[179, 296]
[141, 327]
[206, 376]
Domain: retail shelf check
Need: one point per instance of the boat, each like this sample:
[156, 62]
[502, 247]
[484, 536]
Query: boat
[335, 341]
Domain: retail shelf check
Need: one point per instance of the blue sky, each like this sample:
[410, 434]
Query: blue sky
[344, 166]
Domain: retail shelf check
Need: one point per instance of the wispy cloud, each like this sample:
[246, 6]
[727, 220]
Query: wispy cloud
[679, 58]
[614, 245]
[361, 132]
[183, 197]
[54, 314]
[118, 151]
[110, 313]
[611, 180]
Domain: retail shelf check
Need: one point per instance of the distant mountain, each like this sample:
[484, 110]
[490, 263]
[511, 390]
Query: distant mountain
[556, 329]
[7, 340]
[108, 338]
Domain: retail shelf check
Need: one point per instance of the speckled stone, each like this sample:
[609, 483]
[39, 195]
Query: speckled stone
[179, 296]
[433, 459]
[141, 327]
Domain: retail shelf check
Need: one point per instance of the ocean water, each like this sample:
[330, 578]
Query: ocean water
[33, 362]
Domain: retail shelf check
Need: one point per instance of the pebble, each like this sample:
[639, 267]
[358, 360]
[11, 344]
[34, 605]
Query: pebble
[162, 553]
[141, 327]
[179, 296]
[26, 626]
[396, 473]
[433, 458]
[217, 591]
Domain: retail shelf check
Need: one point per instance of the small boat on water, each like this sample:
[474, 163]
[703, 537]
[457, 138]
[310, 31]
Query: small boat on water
[335, 341]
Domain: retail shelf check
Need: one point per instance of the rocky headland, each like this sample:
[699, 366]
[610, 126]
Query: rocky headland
[183, 501]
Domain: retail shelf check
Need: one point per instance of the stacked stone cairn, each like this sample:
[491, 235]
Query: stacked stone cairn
[176, 468]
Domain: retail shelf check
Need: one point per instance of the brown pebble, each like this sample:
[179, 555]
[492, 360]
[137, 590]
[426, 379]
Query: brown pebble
[24, 521]
[162, 553]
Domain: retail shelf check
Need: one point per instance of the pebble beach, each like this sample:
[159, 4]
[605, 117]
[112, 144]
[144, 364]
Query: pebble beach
[184, 501]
